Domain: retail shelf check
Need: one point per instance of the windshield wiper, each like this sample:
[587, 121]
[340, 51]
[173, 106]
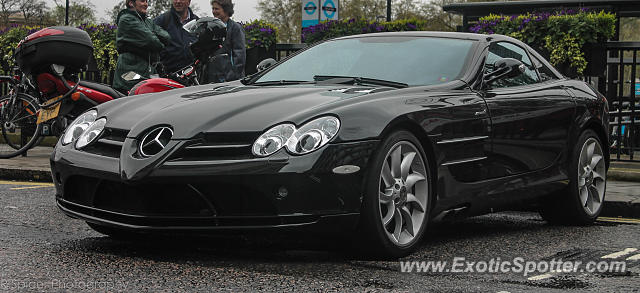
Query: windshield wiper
[358, 80]
[280, 82]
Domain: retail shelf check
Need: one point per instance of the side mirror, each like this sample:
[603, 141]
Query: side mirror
[264, 64]
[504, 68]
[129, 76]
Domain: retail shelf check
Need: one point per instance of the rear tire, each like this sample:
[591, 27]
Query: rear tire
[581, 202]
[396, 205]
[18, 125]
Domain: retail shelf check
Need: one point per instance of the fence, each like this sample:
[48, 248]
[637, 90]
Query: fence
[622, 91]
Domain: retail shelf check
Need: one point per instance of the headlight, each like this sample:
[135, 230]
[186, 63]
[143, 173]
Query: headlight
[273, 140]
[313, 135]
[91, 133]
[78, 126]
[310, 137]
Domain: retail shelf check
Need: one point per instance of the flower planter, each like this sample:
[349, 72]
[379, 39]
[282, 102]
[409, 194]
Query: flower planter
[255, 55]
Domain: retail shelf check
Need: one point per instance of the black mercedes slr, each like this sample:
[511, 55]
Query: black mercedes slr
[372, 136]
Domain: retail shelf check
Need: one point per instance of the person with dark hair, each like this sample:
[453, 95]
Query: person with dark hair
[176, 54]
[228, 63]
[138, 42]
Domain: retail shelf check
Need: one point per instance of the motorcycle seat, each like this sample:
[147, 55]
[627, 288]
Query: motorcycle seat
[102, 88]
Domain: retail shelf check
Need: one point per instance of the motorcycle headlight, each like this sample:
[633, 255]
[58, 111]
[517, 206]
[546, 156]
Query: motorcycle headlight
[313, 135]
[91, 133]
[273, 140]
[78, 126]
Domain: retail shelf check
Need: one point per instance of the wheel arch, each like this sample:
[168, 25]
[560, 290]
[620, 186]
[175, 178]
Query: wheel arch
[596, 126]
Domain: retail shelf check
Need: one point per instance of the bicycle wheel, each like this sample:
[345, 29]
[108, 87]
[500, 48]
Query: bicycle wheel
[18, 124]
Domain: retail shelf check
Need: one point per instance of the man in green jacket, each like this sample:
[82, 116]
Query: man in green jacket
[138, 42]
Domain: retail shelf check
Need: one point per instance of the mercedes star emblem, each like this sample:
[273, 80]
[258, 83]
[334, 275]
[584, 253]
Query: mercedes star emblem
[154, 141]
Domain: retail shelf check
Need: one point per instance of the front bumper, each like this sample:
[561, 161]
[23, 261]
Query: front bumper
[278, 192]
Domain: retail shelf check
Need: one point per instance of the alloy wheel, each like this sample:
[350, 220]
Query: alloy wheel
[591, 176]
[403, 193]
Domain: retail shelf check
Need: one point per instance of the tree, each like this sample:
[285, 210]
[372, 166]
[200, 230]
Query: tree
[6, 8]
[158, 7]
[80, 11]
[363, 9]
[406, 9]
[286, 15]
[34, 11]
[113, 14]
[440, 20]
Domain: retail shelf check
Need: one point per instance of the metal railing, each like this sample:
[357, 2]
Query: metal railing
[623, 93]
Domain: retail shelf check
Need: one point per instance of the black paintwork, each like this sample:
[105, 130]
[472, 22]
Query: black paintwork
[489, 147]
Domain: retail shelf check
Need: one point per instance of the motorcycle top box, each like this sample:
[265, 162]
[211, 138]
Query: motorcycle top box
[62, 45]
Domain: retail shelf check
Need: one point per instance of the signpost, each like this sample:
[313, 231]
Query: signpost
[329, 10]
[314, 11]
[310, 12]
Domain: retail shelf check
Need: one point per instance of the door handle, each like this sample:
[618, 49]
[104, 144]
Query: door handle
[483, 112]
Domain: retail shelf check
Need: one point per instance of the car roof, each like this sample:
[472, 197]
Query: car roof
[453, 35]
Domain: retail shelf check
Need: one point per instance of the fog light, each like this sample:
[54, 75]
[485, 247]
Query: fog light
[282, 192]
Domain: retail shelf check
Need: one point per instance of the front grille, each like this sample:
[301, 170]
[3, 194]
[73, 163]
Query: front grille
[217, 146]
[109, 144]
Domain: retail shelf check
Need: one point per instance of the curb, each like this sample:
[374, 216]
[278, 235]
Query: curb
[26, 175]
[620, 174]
[620, 209]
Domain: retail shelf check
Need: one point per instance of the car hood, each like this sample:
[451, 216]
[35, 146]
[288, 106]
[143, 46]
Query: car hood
[226, 108]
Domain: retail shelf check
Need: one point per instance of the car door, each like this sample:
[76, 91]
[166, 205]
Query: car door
[530, 117]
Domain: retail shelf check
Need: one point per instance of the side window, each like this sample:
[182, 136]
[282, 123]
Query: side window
[545, 73]
[507, 50]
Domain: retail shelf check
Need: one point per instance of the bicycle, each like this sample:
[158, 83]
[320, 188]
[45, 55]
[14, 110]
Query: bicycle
[18, 117]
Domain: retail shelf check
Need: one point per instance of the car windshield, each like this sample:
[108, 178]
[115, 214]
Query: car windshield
[401, 59]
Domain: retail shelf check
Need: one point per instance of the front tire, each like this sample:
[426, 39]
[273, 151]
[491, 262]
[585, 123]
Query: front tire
[581, 202]
[396, 206]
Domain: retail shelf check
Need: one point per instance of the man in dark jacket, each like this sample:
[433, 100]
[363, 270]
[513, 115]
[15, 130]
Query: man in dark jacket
[138, 42]
[176, 55]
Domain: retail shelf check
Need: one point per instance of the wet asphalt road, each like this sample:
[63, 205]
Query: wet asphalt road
[43, 250]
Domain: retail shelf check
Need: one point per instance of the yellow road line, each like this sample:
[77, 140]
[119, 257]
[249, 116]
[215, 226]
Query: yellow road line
[619, 220]
[6, 182]
[625, 170]
[30, 187]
